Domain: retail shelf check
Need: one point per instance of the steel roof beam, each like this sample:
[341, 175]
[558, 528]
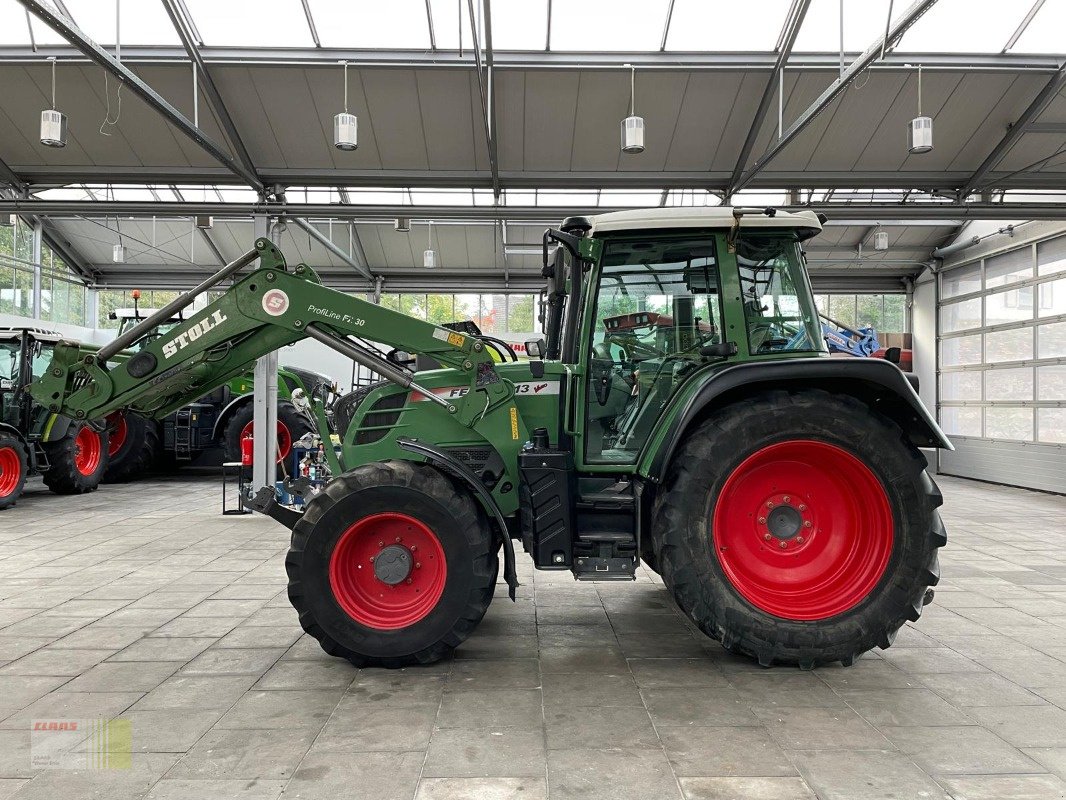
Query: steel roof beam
[98, 55]
[979, 179]
[41, 176]
[310, 23]
[1023, 26]
[486, 87]
[204, 234]
[229, 127]
[871, 54]
[383, 213]
[791, 29]
[8, 176]
[542, 60]
[328, 243]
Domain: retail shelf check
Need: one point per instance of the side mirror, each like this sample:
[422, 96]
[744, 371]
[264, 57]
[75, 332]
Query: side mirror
[894, 354]
[720, 350]
[535, 348]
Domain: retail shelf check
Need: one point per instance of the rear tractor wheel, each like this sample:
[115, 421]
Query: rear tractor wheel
[132, 446]
[292, 426]
[799, 528]
[77, 460]
[13, 468]
[391, 565]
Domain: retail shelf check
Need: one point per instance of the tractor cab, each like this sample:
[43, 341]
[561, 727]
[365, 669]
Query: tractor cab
[642, 302]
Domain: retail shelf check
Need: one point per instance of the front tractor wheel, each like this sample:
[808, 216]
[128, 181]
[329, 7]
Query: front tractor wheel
[77, 459]
[13, 468]
[391, 565]
[799, 528]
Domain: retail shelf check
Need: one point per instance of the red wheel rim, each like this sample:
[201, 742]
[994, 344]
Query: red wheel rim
[803, 530]
[10, 470]
[87, 449]
[117, 430]
[284, 438]
[388, 571]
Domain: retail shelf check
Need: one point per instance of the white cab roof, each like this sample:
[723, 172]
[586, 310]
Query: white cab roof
[713, 217]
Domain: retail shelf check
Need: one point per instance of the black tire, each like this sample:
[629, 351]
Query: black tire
[298, 425]
[138, 451]
[688, 552]
[14, 467]
[68, 472]
[419, 491]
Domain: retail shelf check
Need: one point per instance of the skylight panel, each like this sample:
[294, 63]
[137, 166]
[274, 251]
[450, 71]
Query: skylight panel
[397, 24]
[750, 26]
[864, 23]
[441, 197]
[519, 26]
[251, 23]
[140, 24]
[450, 16]
[13, 26]
[1045, 32]
[619, 198]
[965, 26]
[608, 25]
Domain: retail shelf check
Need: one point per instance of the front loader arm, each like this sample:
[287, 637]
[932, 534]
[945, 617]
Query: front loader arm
[263, 311]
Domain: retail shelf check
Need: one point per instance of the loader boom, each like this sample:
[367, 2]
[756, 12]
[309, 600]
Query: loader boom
[267, 309]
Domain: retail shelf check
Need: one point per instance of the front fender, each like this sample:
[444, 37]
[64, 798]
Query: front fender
[880, 384]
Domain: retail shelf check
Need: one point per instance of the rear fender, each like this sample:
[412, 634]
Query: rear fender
[56, 427]
[11, 429]
[224, 416]
[880, 384]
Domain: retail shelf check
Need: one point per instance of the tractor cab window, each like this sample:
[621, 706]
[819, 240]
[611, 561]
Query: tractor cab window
[778, 308]
[656, 305]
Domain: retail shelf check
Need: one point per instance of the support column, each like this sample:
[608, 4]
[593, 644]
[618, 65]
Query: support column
[36, 258]
[265, 397]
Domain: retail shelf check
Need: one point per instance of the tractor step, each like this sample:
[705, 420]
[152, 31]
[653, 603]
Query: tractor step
[605, 556]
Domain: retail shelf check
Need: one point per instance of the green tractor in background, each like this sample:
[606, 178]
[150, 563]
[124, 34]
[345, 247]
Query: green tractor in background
[219, 419]
[683, 410]
[70, 455]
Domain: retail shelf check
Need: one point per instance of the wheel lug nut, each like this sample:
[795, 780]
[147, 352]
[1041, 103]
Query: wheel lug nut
[769, 503]
[807, 524]
[381, 544]
[784, 545]
[803, 507]
[799, 540]
[786, 498]
[408, 580]
[397, 538]
[762, 520]
[767, 536]
[418, 565]
[371, 559]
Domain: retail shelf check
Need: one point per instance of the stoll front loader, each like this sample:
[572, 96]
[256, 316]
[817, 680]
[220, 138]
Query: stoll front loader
[684, 411]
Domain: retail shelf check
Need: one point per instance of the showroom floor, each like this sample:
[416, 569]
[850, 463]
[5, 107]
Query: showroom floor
[143, 602]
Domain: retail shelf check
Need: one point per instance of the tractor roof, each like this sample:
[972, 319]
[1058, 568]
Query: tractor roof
[806, 223]
[11, 332]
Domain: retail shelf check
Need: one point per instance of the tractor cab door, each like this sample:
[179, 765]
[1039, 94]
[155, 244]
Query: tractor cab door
[654, 306]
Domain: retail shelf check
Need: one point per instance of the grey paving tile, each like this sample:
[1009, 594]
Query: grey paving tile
[100, 784]
[980, 689]
[335, 674]
[999, 787]
[169, 730]
[487, 752]
[532, 788]
[653, 673]
[606, 727]
[960, 750]
[770, 688]
[18, 691]
[1053, 759]
[882, 707]
[123, 676]
[494, 708]
[185, 789]
[708, 707]
[250, 755]
[1025, 726]
[281, 709]
[260, 636]
[866, 774]
[163, 649]
[736, 751]
[196, 692]
[574, 691]
[73, 705]
[800, 728]
[747, 788]
[8, 786]
[355, 727]
[48, 661]
[582, 660]
[323, 776]
[396, 688]
[232, 661]
[506, 673]
[869, 672]
[633, 774]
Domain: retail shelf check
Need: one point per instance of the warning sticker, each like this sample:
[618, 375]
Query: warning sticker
[514, 423]
[451, 337]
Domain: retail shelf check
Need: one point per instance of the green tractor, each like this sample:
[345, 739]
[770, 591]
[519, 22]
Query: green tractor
[219, 419]
[70, 455]
[682, 410]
